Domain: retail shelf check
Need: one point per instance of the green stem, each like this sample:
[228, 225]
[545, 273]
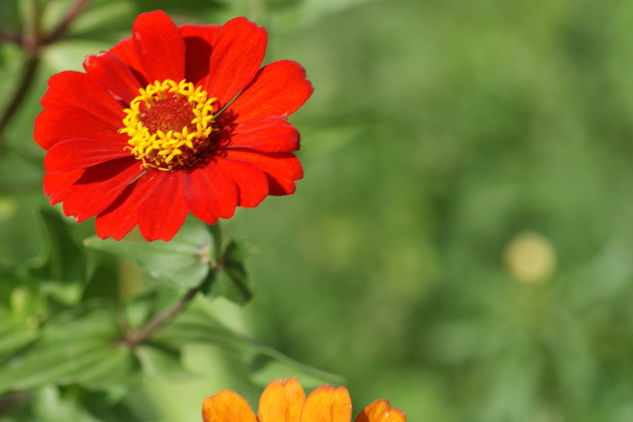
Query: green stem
[136, 337]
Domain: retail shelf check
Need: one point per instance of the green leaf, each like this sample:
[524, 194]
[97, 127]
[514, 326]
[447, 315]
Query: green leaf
[13, 335]
[197, 326]
[76, 347]
[18, 175]
[59, 268]
[160, 362]
[182, 262]
[70, 54]
[10, 19]
[62, 257]
[20, 234]
[265, 368]
[232, 280]
[239, 249]
[50, 406]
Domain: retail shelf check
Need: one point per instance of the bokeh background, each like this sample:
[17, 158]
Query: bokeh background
[462, 241]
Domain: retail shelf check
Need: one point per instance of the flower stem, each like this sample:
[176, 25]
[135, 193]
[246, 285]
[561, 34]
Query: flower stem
[135, 337]
[10, 38]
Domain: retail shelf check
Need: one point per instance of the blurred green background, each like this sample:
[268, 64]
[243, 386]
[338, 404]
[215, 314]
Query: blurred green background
[461, 243]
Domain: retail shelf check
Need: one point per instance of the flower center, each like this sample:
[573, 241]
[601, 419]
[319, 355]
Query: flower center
[169, 125]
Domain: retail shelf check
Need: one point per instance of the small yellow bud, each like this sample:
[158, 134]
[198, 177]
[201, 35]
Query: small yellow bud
[530, 257]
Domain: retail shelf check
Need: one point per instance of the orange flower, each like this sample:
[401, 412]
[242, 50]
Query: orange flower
[286, 402]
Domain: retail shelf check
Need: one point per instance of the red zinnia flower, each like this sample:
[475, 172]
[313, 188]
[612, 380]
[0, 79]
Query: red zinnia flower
[171, 120]
[286, 402]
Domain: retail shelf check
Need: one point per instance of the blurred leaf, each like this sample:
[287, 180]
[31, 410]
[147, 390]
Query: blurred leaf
[182, 262]
[239, 250]
[70, 54]
[14, 335]
[50, 406]
[59, 269]
[297, 13]
[10, 19]
[160, 362]
[265, 368]
[197, 326]
[102, 19]
[18, 175]
[102, 276]
[127, 406]
[62, 258]
[27, 305]
[20, 231]
[191, 6]
[139, 309]
[76, 347]
[231, 280]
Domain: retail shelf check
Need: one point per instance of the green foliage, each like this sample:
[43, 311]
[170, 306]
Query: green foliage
[231, 279]
[180, 263]
[438, 132]
[79, 346]
[197, 326]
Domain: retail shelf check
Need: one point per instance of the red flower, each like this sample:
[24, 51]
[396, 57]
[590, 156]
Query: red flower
[153, 129]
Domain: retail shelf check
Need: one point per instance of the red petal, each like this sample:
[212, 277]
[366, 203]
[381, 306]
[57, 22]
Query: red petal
[60, 123]
[99, 186]
[209, 194]
[238, 51]
[198, 41]
[282, 168]
[271, 134]
[124, 50]
[159, 46]
[251, 183]
[122, 215]
[75, 154]
[114, 75]
[278, 89]
[77, 89]
[163, 210]
[56, 185]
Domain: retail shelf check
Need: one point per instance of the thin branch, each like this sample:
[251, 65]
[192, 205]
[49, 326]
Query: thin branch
[136, 337]
[30, 69]
[61, 27]
[10, 400]
[11, 37]
[31, 43]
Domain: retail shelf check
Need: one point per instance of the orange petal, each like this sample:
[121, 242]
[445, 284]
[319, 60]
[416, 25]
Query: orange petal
[281, 402]
[227, 406]
[327, 404]
[380, 411]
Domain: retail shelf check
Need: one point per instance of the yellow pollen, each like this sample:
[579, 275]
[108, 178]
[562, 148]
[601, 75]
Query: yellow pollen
[169, 124]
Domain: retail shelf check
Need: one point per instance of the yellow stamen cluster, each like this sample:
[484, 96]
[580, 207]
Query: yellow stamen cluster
[168, 147]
